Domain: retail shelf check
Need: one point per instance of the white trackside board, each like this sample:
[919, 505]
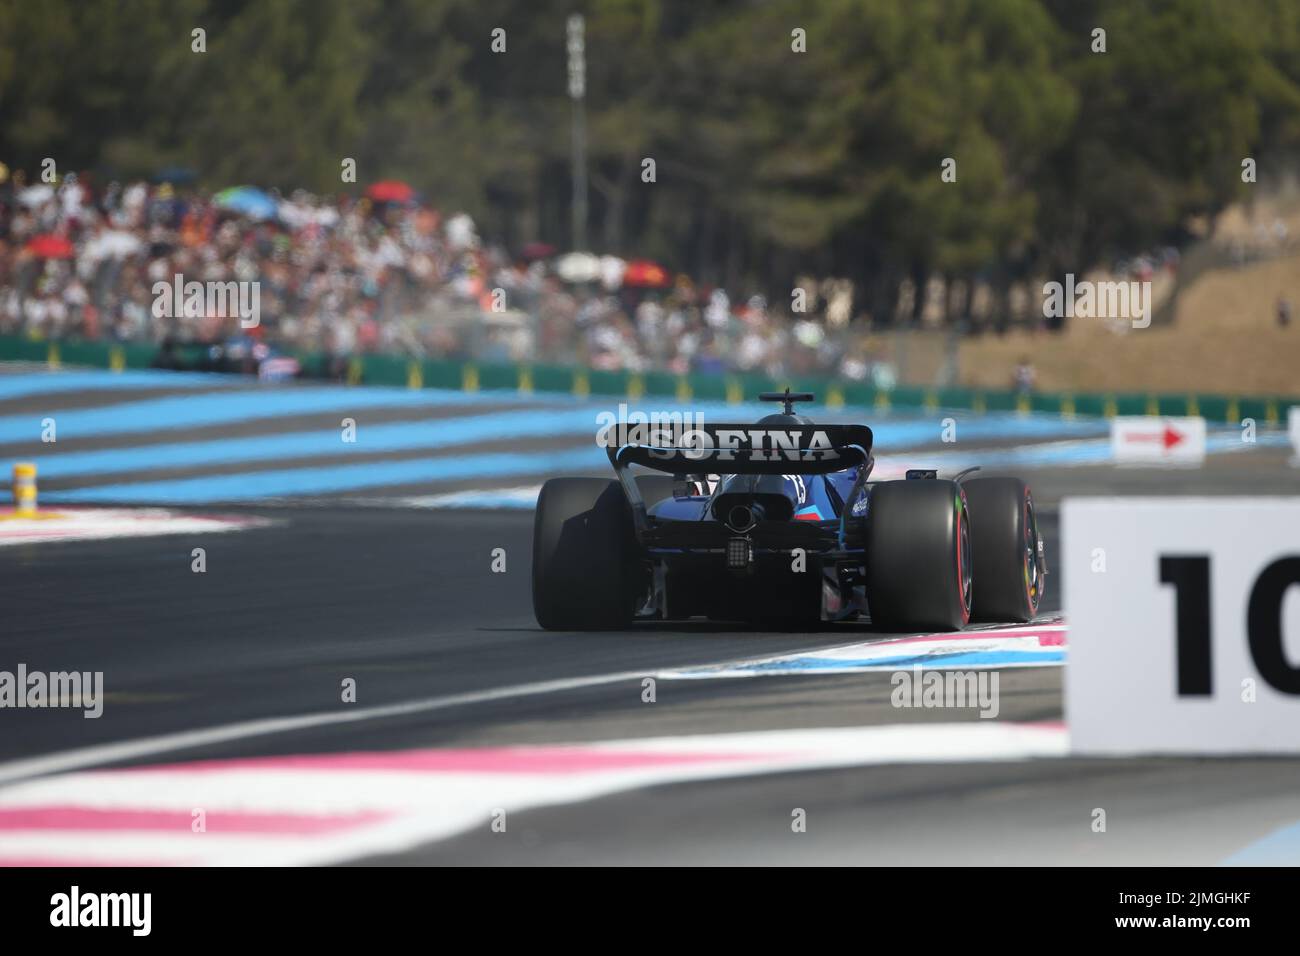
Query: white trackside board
[1185, 624]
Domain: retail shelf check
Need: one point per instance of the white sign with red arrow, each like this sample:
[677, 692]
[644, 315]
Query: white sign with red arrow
[1151, 438]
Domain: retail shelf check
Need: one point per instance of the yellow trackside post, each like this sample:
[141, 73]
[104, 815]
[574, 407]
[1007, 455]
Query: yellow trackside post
[25, 488]
[469, 378]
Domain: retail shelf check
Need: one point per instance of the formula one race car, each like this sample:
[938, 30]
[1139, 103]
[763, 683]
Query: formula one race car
[777, 524]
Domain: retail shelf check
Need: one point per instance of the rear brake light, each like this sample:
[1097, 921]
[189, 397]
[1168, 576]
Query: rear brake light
[740, 552]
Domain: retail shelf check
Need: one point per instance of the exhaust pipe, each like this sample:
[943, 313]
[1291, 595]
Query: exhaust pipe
[742, 517]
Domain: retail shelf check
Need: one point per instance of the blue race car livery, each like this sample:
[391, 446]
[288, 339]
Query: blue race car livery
[777, 523]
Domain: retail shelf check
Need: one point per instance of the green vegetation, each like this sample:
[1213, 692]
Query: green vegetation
[770, 163]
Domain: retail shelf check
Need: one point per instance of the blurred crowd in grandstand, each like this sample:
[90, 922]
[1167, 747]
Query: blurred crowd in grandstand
[382, 273]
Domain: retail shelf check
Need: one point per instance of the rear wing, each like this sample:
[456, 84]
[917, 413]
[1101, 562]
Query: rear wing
[748, 450]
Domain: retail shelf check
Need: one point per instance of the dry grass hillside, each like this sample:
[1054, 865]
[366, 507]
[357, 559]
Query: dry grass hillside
[1224, 339]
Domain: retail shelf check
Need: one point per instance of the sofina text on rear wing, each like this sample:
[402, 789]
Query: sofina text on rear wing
[745, 449]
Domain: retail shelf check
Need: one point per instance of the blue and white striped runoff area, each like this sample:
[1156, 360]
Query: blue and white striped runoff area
[171, 438]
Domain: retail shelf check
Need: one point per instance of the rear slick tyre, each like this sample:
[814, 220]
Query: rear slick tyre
[1004, 545]
[586, 573]
[918, 559]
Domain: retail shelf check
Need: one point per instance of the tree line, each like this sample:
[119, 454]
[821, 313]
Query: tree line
[878, 140]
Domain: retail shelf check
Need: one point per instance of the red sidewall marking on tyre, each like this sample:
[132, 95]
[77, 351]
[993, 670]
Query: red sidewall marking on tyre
[961, 584]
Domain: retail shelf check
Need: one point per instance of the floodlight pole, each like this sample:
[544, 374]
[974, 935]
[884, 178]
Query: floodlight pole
[577, 93]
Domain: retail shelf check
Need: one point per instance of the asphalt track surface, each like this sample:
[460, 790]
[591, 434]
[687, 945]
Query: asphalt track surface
[405, 603]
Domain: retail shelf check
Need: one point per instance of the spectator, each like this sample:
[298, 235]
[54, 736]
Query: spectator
[1025, 377]
[341, 276]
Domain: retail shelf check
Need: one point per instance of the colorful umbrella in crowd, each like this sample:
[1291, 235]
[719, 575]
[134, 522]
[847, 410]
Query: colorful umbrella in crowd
[247, 201]
[643, 272]
[112, 244]
[50, 246]
[578, 267]
[537, 250]
[36, 195]
[390, 190]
